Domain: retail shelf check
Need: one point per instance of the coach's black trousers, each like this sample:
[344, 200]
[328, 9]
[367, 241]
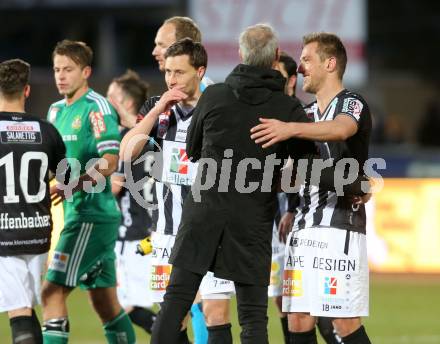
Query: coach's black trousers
[180, 294]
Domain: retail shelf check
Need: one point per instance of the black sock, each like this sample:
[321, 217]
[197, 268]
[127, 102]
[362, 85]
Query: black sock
[308, 337]
[285, 327]
[183, 337]
[23, 330]
[143, 318]
[220, 334]
[37, 328]
[326, 329]
[357, 337]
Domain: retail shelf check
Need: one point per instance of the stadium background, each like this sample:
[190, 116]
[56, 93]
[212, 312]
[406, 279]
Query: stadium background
[392, 46]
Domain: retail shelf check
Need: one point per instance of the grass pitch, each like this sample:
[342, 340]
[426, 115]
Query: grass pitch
[404, 309]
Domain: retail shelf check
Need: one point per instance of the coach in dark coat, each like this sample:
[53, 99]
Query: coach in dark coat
[228, 230]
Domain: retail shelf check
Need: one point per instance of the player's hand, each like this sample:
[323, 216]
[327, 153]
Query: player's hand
[57, 195]
[170, 98]
[270, 131]
[285, 226]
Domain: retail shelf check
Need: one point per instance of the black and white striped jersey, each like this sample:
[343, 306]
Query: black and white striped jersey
[173, 172]
[324, 208]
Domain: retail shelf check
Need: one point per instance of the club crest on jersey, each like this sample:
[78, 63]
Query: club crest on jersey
[164, 122]
[76, 124]
[98, 124]
[352, 107]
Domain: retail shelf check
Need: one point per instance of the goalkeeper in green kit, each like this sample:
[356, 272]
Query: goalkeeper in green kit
[84, 255]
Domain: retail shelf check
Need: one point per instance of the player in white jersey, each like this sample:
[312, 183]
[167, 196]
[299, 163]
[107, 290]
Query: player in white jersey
[215, 292]
[166, 120]
[326, 261]
[287, 205]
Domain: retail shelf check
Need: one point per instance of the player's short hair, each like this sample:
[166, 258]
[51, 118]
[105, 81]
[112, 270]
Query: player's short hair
[185, 27]
[258, 45]
[329, 45]
[133, 86]
[14, 76]
[195, 50]
[289, 64]
[78, 51]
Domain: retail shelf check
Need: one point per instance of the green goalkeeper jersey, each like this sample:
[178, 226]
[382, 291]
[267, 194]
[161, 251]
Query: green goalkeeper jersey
[89, 128]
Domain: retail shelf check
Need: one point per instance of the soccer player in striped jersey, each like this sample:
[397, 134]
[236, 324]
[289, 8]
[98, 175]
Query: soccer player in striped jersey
[127, 93]
[326, 268]
[84, 255]
[166, 120]
[215, 292]
[288, 68]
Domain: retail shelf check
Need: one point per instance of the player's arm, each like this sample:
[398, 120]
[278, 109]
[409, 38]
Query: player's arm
[136, 138]
[104, 167]
[271, 131]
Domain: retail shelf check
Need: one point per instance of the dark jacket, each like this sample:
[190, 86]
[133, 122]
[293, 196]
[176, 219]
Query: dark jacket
[229, 231]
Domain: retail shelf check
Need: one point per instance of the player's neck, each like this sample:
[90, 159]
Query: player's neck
[329, 90]
[191, 101]
[78, 94]
[12, 106]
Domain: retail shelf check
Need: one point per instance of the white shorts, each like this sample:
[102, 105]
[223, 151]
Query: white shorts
[276, 273]
[323, 280]
[133, 275]
[210, 288]
[20, 281]
[213, 288]
[160, 268]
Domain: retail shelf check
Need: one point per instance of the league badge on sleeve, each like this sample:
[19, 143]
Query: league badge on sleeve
[98, 124]
[352, 107]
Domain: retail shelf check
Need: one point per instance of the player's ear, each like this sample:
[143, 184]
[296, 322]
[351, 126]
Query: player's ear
[27, 91]
[87, 71]
[292, 81]
[201, 72]
[331, 64]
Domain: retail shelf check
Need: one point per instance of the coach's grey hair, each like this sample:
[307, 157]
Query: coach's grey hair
[258, 45]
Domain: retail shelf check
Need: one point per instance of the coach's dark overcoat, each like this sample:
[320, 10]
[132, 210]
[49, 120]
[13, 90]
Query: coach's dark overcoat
[229, 230]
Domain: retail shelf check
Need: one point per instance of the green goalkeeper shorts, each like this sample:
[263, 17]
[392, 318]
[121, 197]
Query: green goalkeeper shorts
[84, 256]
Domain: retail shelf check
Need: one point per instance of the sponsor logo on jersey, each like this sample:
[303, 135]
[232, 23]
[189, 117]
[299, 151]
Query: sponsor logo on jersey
[76, 124]
[160, 276]
[179, 161]
[20, 132]
[352, 107]
[297, 242]
[59, 261]
[181, 135]
[293, 283]
[69, 138]
[330, 264]
[330, 285]
[98, 124]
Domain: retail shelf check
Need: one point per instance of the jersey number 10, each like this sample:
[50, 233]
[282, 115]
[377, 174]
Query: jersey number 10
[8, 162]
